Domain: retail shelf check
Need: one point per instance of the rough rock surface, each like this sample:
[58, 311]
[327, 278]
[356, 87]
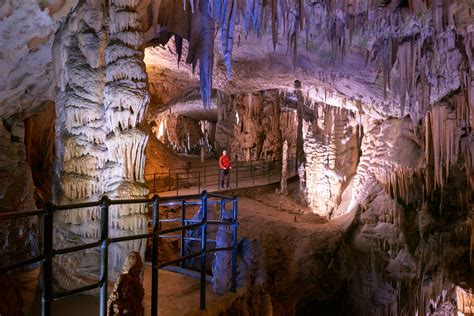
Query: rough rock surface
[159, 161]
[19, 237]
[181, 133]
[331, 147]
[127, 295]
[253, 126]
[99, 149]
[39, 143]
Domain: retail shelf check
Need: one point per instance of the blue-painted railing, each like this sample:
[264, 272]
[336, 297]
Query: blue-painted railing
[202, 200]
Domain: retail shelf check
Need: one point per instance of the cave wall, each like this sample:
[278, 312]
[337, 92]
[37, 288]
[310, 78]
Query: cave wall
[160, 160]
[39, 143]
[253, 126]
[406, 244]
[179, 132]
[409, 244]
[19, 237]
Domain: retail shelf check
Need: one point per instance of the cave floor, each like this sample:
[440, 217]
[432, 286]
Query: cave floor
[178, 294]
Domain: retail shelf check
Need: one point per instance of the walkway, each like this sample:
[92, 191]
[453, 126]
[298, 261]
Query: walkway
[178, 294]
[226, 217]
[205, 176]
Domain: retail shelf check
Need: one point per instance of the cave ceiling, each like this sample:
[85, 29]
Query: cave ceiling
[380, 57]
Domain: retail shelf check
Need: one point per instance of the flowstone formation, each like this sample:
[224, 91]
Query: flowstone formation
[99, 148]
[253, 126]
[331, 152]
[409, 245]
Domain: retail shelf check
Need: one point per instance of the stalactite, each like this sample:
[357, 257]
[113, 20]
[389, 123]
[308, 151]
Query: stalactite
[400, 183]
[445, 139]
[227, 33]
[385, 22]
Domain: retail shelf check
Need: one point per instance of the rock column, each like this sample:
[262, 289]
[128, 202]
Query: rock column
[125, 100]
[101, 100]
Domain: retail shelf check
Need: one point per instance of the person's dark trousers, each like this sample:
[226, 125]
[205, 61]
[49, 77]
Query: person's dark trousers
[224, 173]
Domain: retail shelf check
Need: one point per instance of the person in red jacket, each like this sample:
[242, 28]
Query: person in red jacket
[224, 166]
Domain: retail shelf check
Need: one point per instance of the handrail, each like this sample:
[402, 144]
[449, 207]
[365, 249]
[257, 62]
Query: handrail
[16, 215]
[157, 233]
[213, 164]
[199, 176]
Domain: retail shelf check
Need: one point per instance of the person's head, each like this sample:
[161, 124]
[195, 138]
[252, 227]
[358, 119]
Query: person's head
[224, 152]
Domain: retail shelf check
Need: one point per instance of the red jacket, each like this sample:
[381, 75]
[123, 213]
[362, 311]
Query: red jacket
[224, 162]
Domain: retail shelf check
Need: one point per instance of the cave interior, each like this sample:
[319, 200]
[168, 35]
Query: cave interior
[349, 123]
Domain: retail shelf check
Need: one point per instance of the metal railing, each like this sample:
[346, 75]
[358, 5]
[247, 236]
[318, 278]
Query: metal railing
[263, 171]
[202, 200]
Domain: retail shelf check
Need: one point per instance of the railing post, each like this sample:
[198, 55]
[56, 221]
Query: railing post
[202, 304]
[47, 295]
[234, 245]
[222, 208]
[199, 182]
[270, 172]
[154, 255]
[154, 185]
[183, 223]
[237, 175]
[104, 253]
[177, 183]
[251, 173]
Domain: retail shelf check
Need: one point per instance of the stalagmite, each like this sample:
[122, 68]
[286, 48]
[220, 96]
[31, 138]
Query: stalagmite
[284, 169]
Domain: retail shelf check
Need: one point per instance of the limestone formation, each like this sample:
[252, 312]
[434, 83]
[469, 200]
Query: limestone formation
[99, 148]
[181, 133]
[127, 295]
[252, 126]
[19, 236]
[284, 169]
[331, 151]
